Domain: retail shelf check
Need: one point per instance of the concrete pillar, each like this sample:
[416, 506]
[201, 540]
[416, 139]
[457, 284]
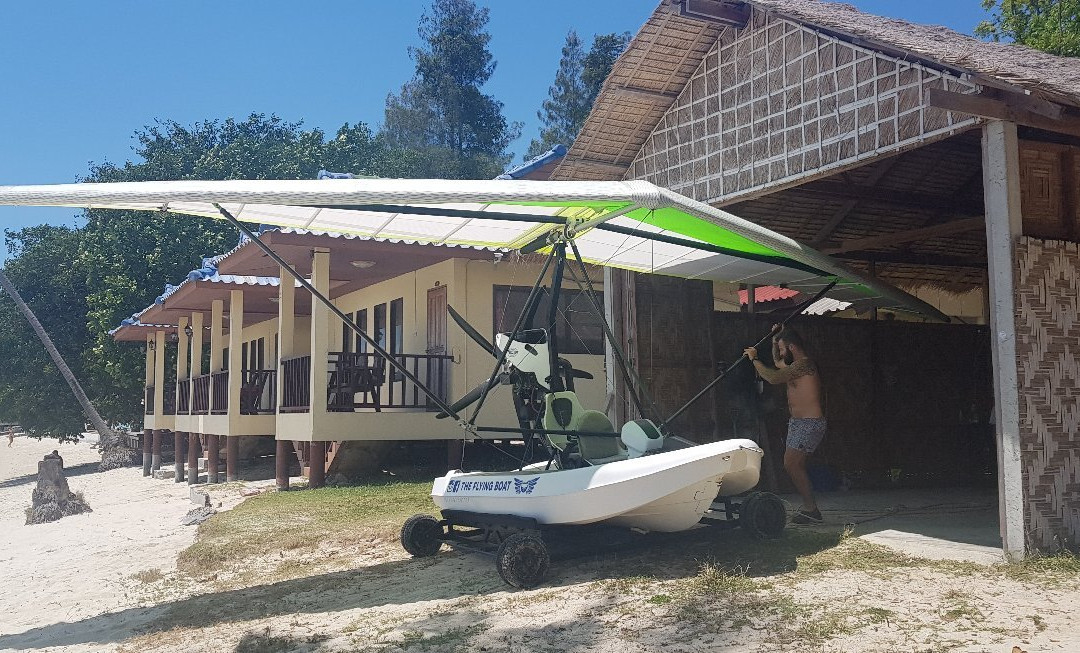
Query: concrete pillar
[320, 334]
[193, 459]
[212, 461]
[317, 462]
[282, 457]
[179, 439]
[1001, 194]
[217, 309]
[286, 325]
[196, 366]
[155, 451]
[236, 351]
[147, 444]
[159, 375]
[182, 360]
[232, 453]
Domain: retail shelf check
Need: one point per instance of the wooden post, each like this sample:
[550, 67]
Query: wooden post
[155, 451]
[193, 459]
[1001, 195]
[212, 460]
[147, 447]
[454, 454]
[317, 462]
[232, 452]
[236, 356]
[196, 367]
[282, 456]
[179, 438]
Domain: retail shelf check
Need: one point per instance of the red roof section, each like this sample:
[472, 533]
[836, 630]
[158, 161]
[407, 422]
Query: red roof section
[767, 294]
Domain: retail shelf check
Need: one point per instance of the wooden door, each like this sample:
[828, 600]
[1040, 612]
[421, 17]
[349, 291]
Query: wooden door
[436, 339]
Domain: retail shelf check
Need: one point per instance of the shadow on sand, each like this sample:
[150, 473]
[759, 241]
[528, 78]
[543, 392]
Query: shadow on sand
[76, 470]
[662, 556]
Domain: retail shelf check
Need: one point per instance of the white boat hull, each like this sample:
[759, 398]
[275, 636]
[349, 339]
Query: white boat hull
[667, 491]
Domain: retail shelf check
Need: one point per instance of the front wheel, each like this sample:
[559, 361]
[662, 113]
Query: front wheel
[522, 560]
[764, 515]
[421, 535]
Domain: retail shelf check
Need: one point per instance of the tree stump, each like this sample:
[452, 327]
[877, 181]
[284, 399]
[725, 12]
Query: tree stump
[52, 499]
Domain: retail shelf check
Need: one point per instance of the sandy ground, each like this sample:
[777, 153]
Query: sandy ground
[68, 586]
[62, 573]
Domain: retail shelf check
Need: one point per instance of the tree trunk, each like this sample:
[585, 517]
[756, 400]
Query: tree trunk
[109, 439]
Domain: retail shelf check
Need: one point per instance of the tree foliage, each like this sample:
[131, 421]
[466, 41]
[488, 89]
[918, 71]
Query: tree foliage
[82, 282]
[577, 83]
[442, 112]
[1049, 25]
[44, 265]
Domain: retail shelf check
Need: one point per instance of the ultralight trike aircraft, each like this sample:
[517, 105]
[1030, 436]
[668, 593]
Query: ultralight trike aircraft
[635, 475]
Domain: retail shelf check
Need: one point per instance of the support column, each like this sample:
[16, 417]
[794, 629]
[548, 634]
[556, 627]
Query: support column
[212, 461]
[317, 465]
[147, 456]
[236, 354]
[286, 326]
[159, 377]
[193, 459]
[281, 464]
[179, 438]
[1001, 194]
[232, 453]
[155, 451]
[320, 335]
[196, 366]
[217, 308]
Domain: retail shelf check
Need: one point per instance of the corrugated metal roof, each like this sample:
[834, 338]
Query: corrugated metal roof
[767, 294]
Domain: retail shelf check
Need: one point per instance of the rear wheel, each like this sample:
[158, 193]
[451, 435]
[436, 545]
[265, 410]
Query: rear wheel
[421, 535]
[764, 515]
[522, 560]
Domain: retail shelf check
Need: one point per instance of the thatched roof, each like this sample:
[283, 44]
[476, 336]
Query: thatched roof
[664, 55]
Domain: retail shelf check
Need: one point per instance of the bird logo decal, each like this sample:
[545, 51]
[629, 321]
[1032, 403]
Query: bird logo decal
[525, 487]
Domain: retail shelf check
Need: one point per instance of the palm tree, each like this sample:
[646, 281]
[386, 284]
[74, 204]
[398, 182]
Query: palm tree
[113, 452]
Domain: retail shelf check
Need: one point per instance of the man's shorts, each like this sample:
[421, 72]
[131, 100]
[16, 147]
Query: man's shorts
[806, 433]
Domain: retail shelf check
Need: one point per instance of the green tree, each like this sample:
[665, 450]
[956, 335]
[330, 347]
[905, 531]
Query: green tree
[82, 282]
[1049, 25]
[44, 262]
[577, 83]
[442, 112]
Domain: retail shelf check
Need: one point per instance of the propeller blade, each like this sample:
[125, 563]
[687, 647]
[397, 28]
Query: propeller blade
[471, 397]
[471, 332]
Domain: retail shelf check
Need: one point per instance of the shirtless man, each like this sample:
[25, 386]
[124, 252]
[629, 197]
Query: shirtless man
[806, 428]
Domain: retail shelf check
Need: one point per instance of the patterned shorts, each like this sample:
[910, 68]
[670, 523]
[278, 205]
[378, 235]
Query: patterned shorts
[806, 433]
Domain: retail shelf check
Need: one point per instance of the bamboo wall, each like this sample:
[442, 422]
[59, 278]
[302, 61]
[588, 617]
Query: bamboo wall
[1048, 362]
[779, 102]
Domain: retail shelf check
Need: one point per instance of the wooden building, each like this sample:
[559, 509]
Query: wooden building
[927, 157]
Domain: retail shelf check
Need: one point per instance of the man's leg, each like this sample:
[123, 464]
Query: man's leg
[795, 464]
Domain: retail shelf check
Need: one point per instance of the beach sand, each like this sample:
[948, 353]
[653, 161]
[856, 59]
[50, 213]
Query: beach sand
[81, 566]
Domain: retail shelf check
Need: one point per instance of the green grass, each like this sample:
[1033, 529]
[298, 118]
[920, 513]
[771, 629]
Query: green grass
[303, 521]
[1056, 569]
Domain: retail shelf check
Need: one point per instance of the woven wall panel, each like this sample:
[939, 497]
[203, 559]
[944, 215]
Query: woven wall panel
[781, 102]
[1048, 366]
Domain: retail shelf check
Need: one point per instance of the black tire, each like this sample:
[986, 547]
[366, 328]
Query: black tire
[764, 515]
[522, 560]
[421, 536]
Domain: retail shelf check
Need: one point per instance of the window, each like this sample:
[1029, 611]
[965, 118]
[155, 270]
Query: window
[378, 328]
[579, 329]
[361, 321]
[346, 335]
[397, 325]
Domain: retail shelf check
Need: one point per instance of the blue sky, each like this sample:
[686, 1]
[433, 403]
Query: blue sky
[80, 77]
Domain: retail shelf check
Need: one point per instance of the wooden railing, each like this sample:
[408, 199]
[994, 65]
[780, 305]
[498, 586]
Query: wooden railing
[258, 393]
[296, 384]
[169, 399]
[200, 395]
[219, 386]
[183, 397]
[148, 406]
[357, 380]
